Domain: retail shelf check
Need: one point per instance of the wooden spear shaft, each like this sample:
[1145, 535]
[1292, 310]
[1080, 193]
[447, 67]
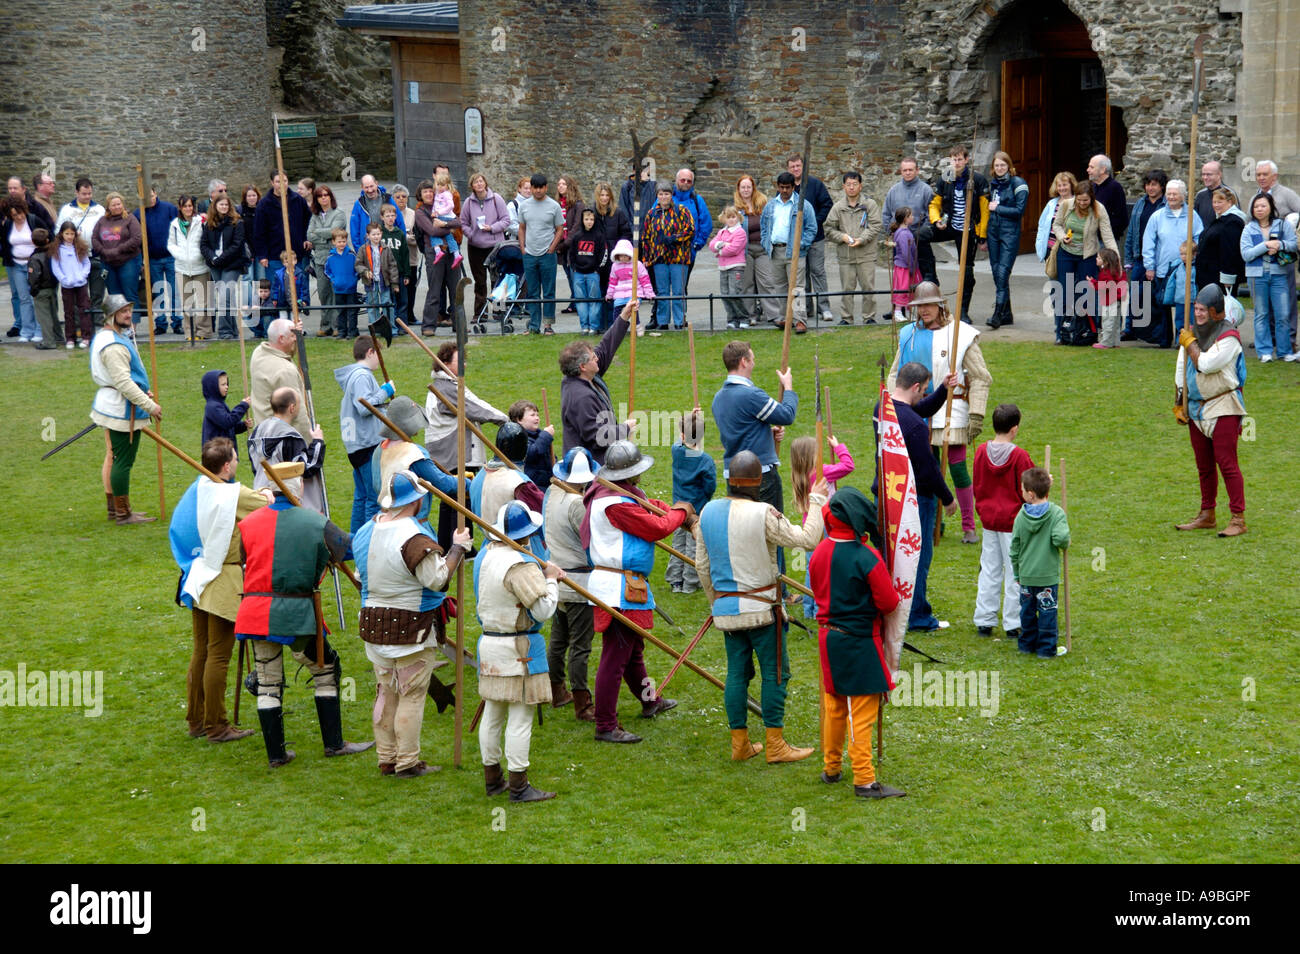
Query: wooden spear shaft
[1198, 81]
[153, 351]
[546, 408]
[695, 381]
[795, 242]
[1065, 572]
[577, 588]
[291, 259]
[972, 209]
[379, 353]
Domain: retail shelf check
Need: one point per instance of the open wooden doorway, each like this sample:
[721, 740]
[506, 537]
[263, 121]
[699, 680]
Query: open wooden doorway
[1055, 113]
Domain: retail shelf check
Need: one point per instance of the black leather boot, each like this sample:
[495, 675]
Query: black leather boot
[273, 735]
[331, 729]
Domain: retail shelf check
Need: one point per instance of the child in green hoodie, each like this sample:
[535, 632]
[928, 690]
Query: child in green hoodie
[1038, 536]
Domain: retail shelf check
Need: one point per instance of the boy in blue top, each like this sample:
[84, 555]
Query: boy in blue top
[341, 271]
[218, 419]
[695, 478]
[537, 462]
[360, 428]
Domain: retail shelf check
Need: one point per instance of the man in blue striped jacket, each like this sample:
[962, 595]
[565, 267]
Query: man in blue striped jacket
[748, 419]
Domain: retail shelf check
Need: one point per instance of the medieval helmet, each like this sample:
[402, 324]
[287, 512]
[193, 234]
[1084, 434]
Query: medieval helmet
[112, 304]
[405, 488]
[407, 415]
[927, 293]
[516, 521]
[624, 459]
[745, 470]
[512, 441]
[577, 466]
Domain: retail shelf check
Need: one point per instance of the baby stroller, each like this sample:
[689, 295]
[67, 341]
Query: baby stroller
[505, 268]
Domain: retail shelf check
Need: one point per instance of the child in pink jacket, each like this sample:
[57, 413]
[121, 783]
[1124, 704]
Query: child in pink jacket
[730, 244]
[620, 277]
[803, 474]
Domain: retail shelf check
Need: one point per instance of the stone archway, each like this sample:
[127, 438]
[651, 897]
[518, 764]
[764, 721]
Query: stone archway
[1048, 105]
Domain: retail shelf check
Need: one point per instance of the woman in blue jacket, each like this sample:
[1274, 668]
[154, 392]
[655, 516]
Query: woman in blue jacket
[1008, 195]
[1268, 247]
[1165, 235]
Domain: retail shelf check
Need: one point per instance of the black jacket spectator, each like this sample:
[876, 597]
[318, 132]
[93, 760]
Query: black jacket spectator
[821, 202]
[1111, 196]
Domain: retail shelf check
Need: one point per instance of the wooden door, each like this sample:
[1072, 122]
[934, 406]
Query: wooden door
[433, 129]
[1025, 135]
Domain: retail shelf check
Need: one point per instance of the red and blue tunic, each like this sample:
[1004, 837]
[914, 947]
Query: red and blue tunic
[854, 591]
[285, 558]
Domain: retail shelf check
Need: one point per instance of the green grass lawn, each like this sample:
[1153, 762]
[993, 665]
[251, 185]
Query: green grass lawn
[1168, 735]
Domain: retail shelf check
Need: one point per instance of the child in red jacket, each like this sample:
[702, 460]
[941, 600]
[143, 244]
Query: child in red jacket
[998, 466]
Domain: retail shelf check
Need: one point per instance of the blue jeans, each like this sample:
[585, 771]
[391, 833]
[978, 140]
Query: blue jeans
[671, 280]
[539, 275]
[124, 280]
[162, 272]
[377, 297]
[1002, 256]
[1038, 620]
[365, 496]
[1272, 315]
[587, 286]
[922, 615]
[20, 289]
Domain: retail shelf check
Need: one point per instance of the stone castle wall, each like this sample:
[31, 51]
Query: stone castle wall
[95, 86]
[730, 87]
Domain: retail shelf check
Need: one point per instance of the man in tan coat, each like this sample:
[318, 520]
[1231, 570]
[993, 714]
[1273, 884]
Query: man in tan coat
[271, 367]
[853, 226]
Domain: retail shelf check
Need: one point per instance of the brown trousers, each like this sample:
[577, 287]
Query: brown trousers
[214, 639]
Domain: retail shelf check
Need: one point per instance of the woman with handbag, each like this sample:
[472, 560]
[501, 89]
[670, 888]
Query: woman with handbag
[1080, 227]
[1268, 247]
[1165, 262]
[1062, 188]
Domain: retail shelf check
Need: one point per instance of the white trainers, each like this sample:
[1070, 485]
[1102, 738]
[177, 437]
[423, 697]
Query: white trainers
[71, 345]
[944, 624]
[1263, 358]
[1293, 357]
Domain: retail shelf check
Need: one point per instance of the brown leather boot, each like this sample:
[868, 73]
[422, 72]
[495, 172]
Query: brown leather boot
[741, 747]
[1236, 526]
[560, 696]
[493, 781]
[112, 506]
[583, 710]
[521, 791]
[126, 516]
[1204, 521]
[779, 750]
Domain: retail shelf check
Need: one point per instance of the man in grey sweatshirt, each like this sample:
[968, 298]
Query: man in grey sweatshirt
[912, 190]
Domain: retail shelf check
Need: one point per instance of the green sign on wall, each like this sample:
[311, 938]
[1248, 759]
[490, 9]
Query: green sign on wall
[297, 130]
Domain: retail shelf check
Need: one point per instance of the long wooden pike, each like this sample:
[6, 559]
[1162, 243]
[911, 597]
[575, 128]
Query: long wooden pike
[673, 551]
[795, 251]
[148, 304]
[458, 710]
[414, 337]
[972, 210]
[576, 587]
[291, 259]
[639, 152]
[1198, 84]
[1065, 572]
[546, 409]
[695, 381]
